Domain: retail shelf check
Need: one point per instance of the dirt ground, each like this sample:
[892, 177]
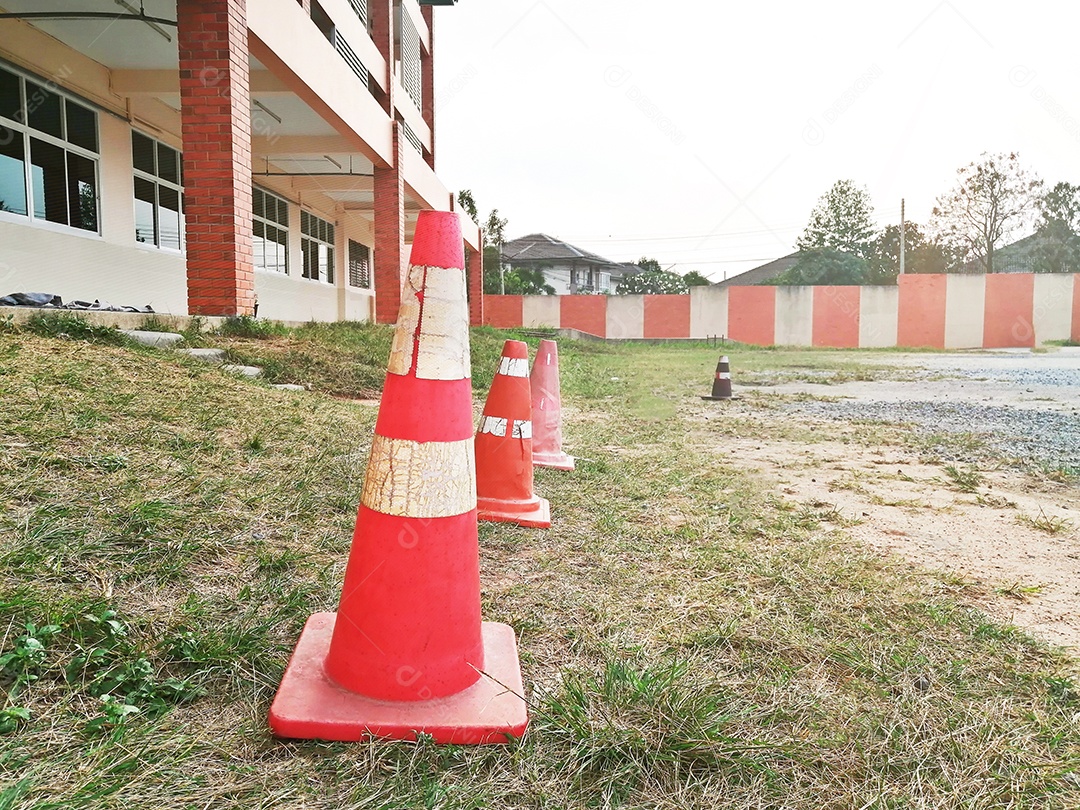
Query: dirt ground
[1011, 546]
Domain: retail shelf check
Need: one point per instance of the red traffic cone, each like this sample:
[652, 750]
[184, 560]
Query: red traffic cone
[721, 388]
[504, 448]
[406, 650]
[547, 409]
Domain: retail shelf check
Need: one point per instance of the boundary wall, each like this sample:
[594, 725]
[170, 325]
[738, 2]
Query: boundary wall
[935, 311]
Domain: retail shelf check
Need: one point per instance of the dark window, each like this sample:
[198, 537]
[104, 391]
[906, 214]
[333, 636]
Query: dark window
[43, 110]
[317, 247]
[168, 161]
[82, 192]
[81, 126]
[10, 96]
[145, 206]
[170, 220]
[270, 231]
[359, 265]
[12, 172]
[48, 178]
[159, 198]
[142, 153]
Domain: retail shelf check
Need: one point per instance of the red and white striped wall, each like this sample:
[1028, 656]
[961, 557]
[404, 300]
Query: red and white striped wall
[938, 311]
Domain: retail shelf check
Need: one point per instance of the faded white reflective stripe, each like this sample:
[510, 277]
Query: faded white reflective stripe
[522, 430]
[438, 336]
[723, 375]
[514, 367]
[495, 425]
[420, 479]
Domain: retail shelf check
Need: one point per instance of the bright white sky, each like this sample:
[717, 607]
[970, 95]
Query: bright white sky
[702, 133]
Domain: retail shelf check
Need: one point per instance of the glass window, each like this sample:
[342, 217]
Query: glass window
[43, 110]
[10, 96]
[59, 138]
[359, 265]
[12, 172]
[159, 197]
[317, 247]
[81, 126]
[270, 231]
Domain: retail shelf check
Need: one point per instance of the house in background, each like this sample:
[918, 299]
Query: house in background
[761, 273]
[569, 270]
[209, 154]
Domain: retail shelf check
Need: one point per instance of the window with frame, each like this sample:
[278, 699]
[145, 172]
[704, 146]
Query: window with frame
[270, 231]
[317, 247]
[359, 265]
[48, 154]
[159, 193]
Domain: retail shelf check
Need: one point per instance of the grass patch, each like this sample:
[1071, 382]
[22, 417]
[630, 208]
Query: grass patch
[687, 639]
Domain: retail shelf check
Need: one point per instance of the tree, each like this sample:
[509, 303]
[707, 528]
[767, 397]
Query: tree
[652, 282]
[920, 254]
[991, 201]
[825, 266]
[1058, 247]
[648, 264]
[695, 279]
[526, 281]
[841, 220]
[467, 203]
[494, 238]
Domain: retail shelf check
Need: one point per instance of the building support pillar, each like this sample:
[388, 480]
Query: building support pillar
[215, 110]
[474, 265]
[390, 255]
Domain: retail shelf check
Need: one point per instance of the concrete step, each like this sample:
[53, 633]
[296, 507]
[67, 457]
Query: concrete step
[206, 355]
[160, 340]
[243, 371]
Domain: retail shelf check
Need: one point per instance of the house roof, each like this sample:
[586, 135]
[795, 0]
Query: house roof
[763, 272]
[539, 247]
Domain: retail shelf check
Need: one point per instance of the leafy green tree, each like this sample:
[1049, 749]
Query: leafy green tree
[695, 279]
[920, 254]
[1058, 248]
[648, 264]
[652, 282]
[842, 220]
[825, 266]
[494, 238]
[992, 200]
[526, 281]
[467, 203]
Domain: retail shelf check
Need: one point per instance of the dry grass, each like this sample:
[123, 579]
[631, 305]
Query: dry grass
[688, 640]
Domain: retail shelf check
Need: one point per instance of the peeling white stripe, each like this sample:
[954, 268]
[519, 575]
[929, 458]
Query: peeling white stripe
[438, 339]
[420, 479]
[522, 430]
[514, 367]
[495, 425]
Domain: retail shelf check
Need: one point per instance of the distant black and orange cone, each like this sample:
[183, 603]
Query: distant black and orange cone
[504, 447]
[547, 409]
[721, 388]
[406, 653]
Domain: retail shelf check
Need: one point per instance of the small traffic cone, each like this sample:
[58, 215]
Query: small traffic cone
[547, 409]
[504, 447]
[407, 653]
[721, 387]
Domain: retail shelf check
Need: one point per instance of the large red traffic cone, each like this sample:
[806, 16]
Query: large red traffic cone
[547, 409]
[504, 448]
[721, 388]
[406, 650]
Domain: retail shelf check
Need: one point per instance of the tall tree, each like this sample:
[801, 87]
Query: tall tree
[1058, 247]
[494, 238]
[992, 199]
[695, 279]
[921, 255]
[824, 266]
[467, 203]
[646, 263]
[841, 220]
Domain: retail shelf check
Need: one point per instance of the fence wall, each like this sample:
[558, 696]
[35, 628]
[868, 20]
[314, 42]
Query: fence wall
[939, 311]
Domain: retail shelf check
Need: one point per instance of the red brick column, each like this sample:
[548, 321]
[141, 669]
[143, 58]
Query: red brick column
[474, 269]
[215, 110]
[389, 234]
[427, 82]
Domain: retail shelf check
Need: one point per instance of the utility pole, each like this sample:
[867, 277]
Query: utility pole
[901, 236]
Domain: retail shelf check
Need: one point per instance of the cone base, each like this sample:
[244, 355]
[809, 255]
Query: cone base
[719, 398]
[310, 706]
[554, 461]
[536, 517]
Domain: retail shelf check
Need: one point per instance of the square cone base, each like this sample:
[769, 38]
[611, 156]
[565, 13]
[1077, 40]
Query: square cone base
[719, 399]
[310, 706]
[559, 462]
[538, 518]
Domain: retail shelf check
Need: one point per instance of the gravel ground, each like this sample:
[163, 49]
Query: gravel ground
[1025, 407]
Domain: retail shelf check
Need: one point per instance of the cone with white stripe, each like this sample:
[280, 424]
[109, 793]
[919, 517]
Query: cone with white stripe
[547, 409]
[721, 388]
[407, 653]
[504, 447]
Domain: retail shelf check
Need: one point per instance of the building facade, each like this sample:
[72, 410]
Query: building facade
[219, 157]
[569, 270]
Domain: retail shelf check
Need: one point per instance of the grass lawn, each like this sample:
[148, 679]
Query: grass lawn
[688, 640]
